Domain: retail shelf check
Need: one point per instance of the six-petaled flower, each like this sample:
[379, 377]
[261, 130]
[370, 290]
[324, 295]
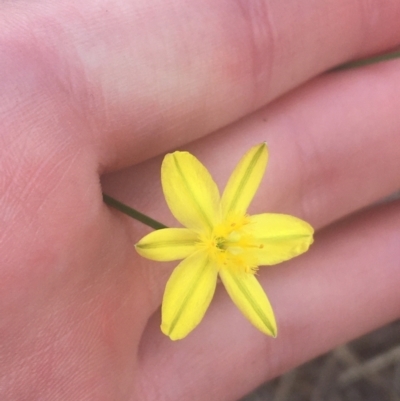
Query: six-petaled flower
[220, 239]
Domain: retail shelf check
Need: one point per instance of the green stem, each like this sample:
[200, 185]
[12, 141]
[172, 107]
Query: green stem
[132, 212]
[371, 60]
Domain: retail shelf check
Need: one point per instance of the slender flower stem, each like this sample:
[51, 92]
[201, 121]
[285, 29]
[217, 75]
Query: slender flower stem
[371, 60]
[132, 212]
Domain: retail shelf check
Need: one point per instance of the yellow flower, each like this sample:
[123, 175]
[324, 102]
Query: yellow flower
[220, 240]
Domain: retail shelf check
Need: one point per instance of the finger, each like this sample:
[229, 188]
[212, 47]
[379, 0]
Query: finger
[334, 148]
[334, 145]
[133, 78]
[345, 286]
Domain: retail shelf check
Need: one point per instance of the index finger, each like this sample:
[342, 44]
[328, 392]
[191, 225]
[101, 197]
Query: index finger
[131, 79]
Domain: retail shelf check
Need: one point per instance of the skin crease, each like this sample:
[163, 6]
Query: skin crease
[92, 87]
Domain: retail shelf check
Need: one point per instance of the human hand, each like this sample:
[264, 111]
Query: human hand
[92, 89]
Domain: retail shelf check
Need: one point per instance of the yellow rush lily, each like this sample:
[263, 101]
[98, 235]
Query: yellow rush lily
[220, 239]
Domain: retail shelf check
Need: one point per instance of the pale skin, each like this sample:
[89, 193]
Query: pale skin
[91, 89]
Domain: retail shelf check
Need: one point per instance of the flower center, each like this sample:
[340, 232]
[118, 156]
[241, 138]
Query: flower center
[230, 245]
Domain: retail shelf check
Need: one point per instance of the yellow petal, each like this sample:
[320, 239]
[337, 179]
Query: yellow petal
[244, 181]
[248, 295]
[190, 191]
[167, 244]
[279, 237]
[187, 295]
